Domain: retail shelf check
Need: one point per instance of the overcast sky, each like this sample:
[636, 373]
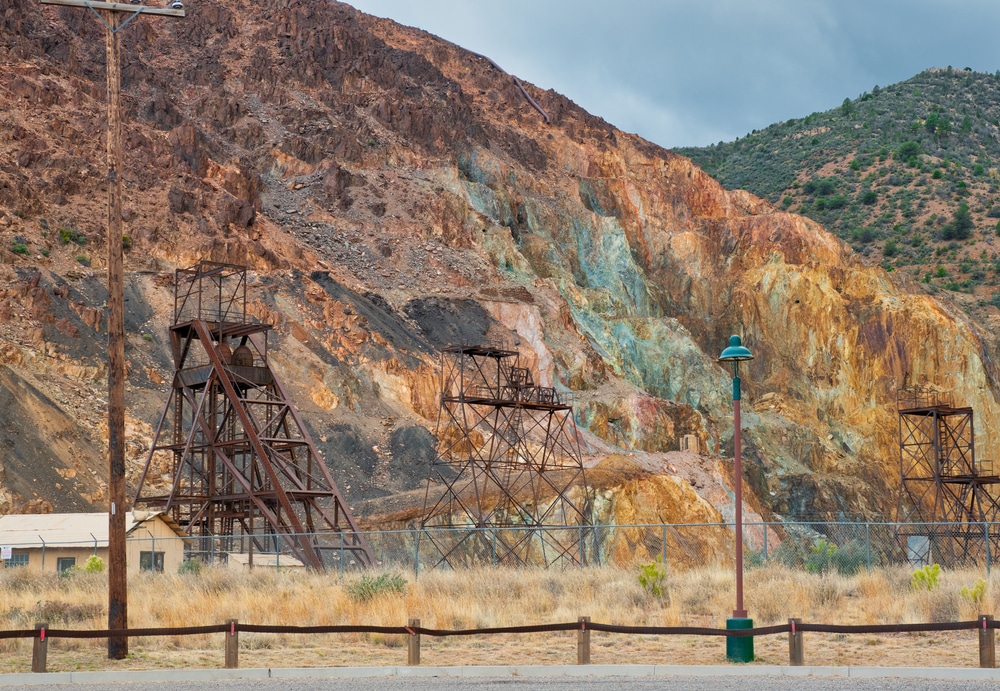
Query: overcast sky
[694, 72]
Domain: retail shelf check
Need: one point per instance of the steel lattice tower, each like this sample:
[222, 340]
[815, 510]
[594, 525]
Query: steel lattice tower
[244, 474]
[945, 493]
[508, 478]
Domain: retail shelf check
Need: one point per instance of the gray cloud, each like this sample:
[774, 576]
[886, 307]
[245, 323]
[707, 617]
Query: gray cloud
[697, 72]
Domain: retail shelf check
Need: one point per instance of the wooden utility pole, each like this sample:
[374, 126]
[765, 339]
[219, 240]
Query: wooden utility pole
[113, 16]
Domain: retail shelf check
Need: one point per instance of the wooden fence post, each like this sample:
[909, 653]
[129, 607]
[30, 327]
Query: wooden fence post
[987, 642]
[232, 645]
[413, 644]
[40, 648]
[583, 642]
[796, 651]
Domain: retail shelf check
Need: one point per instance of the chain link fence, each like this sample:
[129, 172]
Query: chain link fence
[817, 547]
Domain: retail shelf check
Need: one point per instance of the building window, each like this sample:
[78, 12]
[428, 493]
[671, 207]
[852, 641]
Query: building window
[16, 560]
[151, 561]
[65, 563]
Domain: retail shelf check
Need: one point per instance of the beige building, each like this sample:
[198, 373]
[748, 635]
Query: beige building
[60, 541]
[242, 560]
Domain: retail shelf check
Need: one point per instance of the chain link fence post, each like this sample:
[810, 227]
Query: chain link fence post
[868, 545]
[986, 539]
[416, 555]
[664, 543]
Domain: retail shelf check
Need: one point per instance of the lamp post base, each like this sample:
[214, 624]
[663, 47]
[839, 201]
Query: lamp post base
[739, 648]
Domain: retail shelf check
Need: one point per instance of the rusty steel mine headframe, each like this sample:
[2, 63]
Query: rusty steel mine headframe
[508, 484]
[231, 461]
[948, 502]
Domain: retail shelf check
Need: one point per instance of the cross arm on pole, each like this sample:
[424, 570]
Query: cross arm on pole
[117, 7]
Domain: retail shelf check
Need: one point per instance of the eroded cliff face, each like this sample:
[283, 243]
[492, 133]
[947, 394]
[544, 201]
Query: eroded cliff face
[392, 194]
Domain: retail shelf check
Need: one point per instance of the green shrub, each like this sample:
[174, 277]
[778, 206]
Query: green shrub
[19, 248]
[754, 558]
[926, 577]
[653, 577]
[837, 201]
[849, 558]
[190, 566]
[907, 151]
[820, 558]
[83, 259]
[961, 225]
[976, 594]
[826, 186]
[368, 587]
[94, 564]
[865, 235]
[825, 556]
[68, 235]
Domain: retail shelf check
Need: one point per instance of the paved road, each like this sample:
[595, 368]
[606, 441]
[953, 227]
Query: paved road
[609, 683]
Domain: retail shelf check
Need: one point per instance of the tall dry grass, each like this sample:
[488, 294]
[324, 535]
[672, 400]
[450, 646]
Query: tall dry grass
[478, 598]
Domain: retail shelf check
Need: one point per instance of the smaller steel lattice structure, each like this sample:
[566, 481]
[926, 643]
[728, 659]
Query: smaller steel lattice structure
[948, 496]
[231, 461]
[509, 476]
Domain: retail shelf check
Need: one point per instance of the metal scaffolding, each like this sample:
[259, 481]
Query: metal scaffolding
[231, 461]
[508, 458]
[948, 498]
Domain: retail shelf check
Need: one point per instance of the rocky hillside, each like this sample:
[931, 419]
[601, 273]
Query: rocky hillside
[394, 193]
[906, 173]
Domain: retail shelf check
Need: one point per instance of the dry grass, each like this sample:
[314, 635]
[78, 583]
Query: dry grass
[484, 598]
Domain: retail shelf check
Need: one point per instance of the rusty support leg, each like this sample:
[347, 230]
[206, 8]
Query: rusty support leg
[40, 648]
[796, 647]
[232, 645]
[987, 642]
[413, 644]
[583, 642]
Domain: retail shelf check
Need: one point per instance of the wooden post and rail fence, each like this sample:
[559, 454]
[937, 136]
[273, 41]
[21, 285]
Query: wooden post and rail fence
[795, 629]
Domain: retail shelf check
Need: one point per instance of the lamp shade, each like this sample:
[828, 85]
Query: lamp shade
[736, 351]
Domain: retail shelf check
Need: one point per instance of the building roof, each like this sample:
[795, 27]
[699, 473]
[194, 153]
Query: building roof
[70, 529]
[265, 560]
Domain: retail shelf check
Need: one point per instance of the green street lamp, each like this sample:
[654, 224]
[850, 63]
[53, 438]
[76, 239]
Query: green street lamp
[738, 649]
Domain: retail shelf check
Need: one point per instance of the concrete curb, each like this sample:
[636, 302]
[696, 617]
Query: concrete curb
[513, 671]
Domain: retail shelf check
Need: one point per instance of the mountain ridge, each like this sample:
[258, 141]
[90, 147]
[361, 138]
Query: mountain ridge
[890, 172]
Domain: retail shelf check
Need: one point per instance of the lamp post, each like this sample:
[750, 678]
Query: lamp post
[738, 649]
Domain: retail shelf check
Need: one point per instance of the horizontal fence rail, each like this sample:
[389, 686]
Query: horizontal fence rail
[794, 628]
[805, 627]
